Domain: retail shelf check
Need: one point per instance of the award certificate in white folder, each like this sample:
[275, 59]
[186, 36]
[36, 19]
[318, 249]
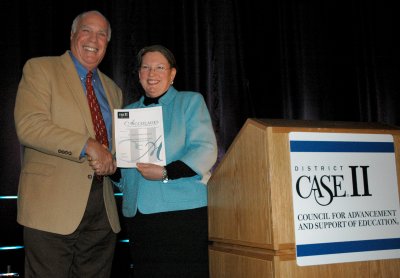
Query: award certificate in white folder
[139, 136]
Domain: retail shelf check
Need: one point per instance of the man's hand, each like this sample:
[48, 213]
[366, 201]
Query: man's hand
[100, 158]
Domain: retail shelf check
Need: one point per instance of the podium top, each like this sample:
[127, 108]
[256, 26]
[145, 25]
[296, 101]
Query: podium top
[309, 124]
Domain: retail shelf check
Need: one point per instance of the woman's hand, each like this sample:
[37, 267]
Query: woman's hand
[150, 171]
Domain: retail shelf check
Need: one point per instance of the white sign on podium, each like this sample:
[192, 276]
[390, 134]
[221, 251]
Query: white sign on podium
[345, 197]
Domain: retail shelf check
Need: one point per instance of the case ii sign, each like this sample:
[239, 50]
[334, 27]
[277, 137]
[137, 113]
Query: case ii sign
[345, 197]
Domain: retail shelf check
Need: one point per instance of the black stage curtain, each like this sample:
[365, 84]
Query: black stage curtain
[289, 59]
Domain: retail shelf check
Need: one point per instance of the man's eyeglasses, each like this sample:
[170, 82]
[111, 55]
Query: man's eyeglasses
[157, 69]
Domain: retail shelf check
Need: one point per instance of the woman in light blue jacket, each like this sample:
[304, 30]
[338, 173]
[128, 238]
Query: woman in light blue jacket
[166, 207]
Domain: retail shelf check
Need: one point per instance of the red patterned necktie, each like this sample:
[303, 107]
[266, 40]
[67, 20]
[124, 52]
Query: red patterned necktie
[97, 117]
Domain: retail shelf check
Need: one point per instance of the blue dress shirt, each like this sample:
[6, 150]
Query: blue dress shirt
[101, 97]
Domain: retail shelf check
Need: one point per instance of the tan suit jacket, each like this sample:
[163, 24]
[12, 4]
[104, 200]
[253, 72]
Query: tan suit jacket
[53, 123]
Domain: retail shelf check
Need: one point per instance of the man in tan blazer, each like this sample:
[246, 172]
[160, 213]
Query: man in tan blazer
[69, 214]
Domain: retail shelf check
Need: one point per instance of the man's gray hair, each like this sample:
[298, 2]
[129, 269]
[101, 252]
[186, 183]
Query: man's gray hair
[79, 17]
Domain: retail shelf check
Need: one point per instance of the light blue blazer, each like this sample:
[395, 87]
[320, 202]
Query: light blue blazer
[189, 137]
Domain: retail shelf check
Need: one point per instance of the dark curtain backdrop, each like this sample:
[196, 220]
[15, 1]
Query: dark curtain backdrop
[289, 59]
[283, 59]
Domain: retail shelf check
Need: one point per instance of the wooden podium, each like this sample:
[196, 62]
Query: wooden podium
[251, 225]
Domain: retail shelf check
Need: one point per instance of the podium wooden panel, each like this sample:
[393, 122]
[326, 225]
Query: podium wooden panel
[251, 225]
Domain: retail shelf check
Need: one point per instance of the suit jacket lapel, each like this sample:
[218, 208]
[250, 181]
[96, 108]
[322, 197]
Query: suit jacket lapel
[76, 90]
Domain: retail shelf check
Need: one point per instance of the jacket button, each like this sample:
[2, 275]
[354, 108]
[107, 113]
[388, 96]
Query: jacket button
[90, 177]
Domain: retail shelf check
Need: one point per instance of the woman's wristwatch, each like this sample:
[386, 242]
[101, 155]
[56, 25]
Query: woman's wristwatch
[164, 175]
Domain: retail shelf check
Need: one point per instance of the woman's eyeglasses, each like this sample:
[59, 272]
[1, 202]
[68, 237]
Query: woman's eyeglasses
[157, 69]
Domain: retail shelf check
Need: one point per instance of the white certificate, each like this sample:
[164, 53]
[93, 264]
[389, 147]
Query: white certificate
[139, 136]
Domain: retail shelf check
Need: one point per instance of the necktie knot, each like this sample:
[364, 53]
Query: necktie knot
[89, 76]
